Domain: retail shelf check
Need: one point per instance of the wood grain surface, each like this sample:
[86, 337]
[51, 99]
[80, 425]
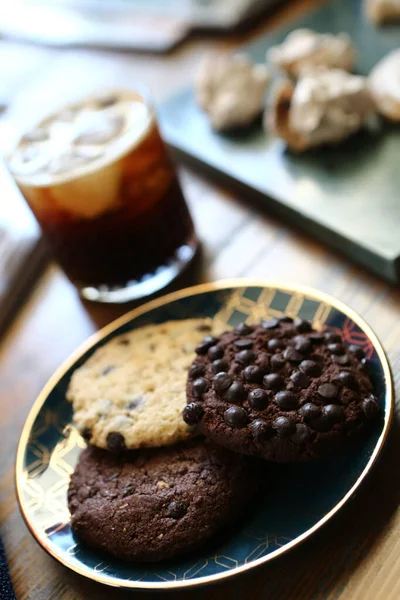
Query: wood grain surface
[357, 556]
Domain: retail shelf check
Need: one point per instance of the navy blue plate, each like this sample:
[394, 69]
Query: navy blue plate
[300, 498]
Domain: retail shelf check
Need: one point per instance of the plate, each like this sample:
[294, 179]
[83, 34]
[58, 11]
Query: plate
[305, 496]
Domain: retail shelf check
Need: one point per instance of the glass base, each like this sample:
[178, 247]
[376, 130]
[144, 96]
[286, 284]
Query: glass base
[148, 284]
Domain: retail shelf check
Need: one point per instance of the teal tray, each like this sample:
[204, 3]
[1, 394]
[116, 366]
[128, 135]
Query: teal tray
[348, 195]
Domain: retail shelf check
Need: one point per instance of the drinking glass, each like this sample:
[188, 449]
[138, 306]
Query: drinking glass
[98, 178]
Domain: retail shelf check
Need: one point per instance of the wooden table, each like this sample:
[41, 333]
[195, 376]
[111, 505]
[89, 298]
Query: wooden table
[355, 557]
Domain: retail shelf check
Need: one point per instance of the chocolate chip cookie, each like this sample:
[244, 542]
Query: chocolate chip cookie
[154, 504]
[279, 390]
[131, 392]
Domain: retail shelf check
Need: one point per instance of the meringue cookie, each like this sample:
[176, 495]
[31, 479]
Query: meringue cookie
[384, 84]
[382, 11]
[231, 90]
[324, 107]
[276, 117]
[304, 49]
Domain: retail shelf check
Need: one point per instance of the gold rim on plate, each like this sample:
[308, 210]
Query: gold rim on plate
[133, 314]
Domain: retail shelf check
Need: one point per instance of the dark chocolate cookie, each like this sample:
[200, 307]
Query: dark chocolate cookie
[280, 390]
[153, 504]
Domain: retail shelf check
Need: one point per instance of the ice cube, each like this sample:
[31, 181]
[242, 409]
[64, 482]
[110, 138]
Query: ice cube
[35, 135]
[28, 161]
[68, 114]
[99, 129]
[107, 101]
[29, 154]
[65, 162]
[89, 153]
[92, 194]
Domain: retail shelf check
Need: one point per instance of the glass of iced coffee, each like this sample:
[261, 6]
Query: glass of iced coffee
[98, 178]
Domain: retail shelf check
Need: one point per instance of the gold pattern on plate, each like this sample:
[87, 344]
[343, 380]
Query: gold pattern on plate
[255, 310]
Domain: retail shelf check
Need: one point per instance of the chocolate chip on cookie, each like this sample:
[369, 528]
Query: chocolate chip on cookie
[116, 442]
[220, 365]
[192, 413]
[87, 434]
[205, 345]
[270, 323]
[243, 329]
[200, 386]
[196, 371]
[176, 509]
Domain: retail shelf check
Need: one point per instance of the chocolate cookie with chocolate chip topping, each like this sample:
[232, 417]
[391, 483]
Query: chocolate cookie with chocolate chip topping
[155, 504]
[280, 390]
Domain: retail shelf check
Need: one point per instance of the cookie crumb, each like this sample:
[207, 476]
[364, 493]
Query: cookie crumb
[163, 485]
